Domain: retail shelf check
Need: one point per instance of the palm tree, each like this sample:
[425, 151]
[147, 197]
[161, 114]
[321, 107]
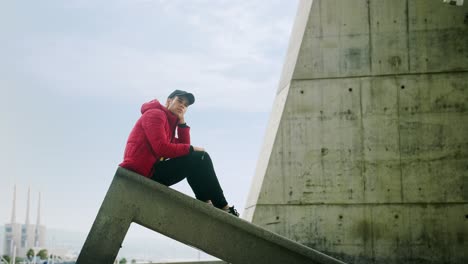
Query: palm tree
[43, 254]
[30, 254]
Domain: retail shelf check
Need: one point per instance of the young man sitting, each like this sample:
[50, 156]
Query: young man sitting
[153, 151]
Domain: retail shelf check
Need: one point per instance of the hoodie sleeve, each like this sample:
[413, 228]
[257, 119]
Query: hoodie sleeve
[153, 123]
[183, 133]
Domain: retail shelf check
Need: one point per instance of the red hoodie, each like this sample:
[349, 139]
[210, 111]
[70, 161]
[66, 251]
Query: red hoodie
[153, 137]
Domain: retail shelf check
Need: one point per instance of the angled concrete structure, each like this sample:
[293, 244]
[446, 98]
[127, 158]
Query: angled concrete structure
[366, 154]
[134, 198]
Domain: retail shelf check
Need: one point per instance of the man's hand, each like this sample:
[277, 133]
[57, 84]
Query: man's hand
[180, 115]
[198, 149]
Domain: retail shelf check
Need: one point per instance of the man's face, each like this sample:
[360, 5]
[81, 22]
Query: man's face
[177, 105]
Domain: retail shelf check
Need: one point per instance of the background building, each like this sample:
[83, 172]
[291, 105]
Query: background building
[23, 237]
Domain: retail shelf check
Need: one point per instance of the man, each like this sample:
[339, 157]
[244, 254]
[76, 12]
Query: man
[153, 151]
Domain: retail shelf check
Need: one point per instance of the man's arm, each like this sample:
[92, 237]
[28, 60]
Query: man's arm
[153, 124]
[183, 133]
[184, 136]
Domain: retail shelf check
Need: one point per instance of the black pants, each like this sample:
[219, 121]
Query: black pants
[197, 167]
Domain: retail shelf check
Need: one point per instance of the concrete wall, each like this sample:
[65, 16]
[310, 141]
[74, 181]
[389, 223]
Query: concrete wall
[366, 154]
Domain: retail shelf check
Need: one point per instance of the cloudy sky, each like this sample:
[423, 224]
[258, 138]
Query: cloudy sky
[74, 73]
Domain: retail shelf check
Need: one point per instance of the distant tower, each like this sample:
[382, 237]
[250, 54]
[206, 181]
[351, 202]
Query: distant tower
[38, 223]
[40, 230]
[12, 230]
[13, 220]
[27, 206]
[27, 231]
[39, 210]
[13, 210]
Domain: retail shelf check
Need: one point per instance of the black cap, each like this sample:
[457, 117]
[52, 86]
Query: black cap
[190, 97]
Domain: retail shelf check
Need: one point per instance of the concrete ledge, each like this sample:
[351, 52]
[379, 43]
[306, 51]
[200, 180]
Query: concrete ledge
[134, 198]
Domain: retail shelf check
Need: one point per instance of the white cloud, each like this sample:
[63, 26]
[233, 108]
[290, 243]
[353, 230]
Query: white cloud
[229, 54]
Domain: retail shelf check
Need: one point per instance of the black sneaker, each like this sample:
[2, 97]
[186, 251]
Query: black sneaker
[233, 211]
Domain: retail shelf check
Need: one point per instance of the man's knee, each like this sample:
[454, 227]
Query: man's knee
[200, 156]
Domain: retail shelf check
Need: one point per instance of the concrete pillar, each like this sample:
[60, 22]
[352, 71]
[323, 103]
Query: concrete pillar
[366, 154]
[109, 229]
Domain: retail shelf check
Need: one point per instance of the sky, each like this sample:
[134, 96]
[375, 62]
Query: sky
[73, 75]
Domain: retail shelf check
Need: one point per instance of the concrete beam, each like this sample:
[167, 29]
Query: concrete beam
[134, 198]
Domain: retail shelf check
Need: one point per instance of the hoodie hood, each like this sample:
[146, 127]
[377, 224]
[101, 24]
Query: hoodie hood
[155, 104]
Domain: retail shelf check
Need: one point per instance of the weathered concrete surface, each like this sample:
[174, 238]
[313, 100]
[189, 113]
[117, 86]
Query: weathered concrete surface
[366, 154]
[134, 198]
